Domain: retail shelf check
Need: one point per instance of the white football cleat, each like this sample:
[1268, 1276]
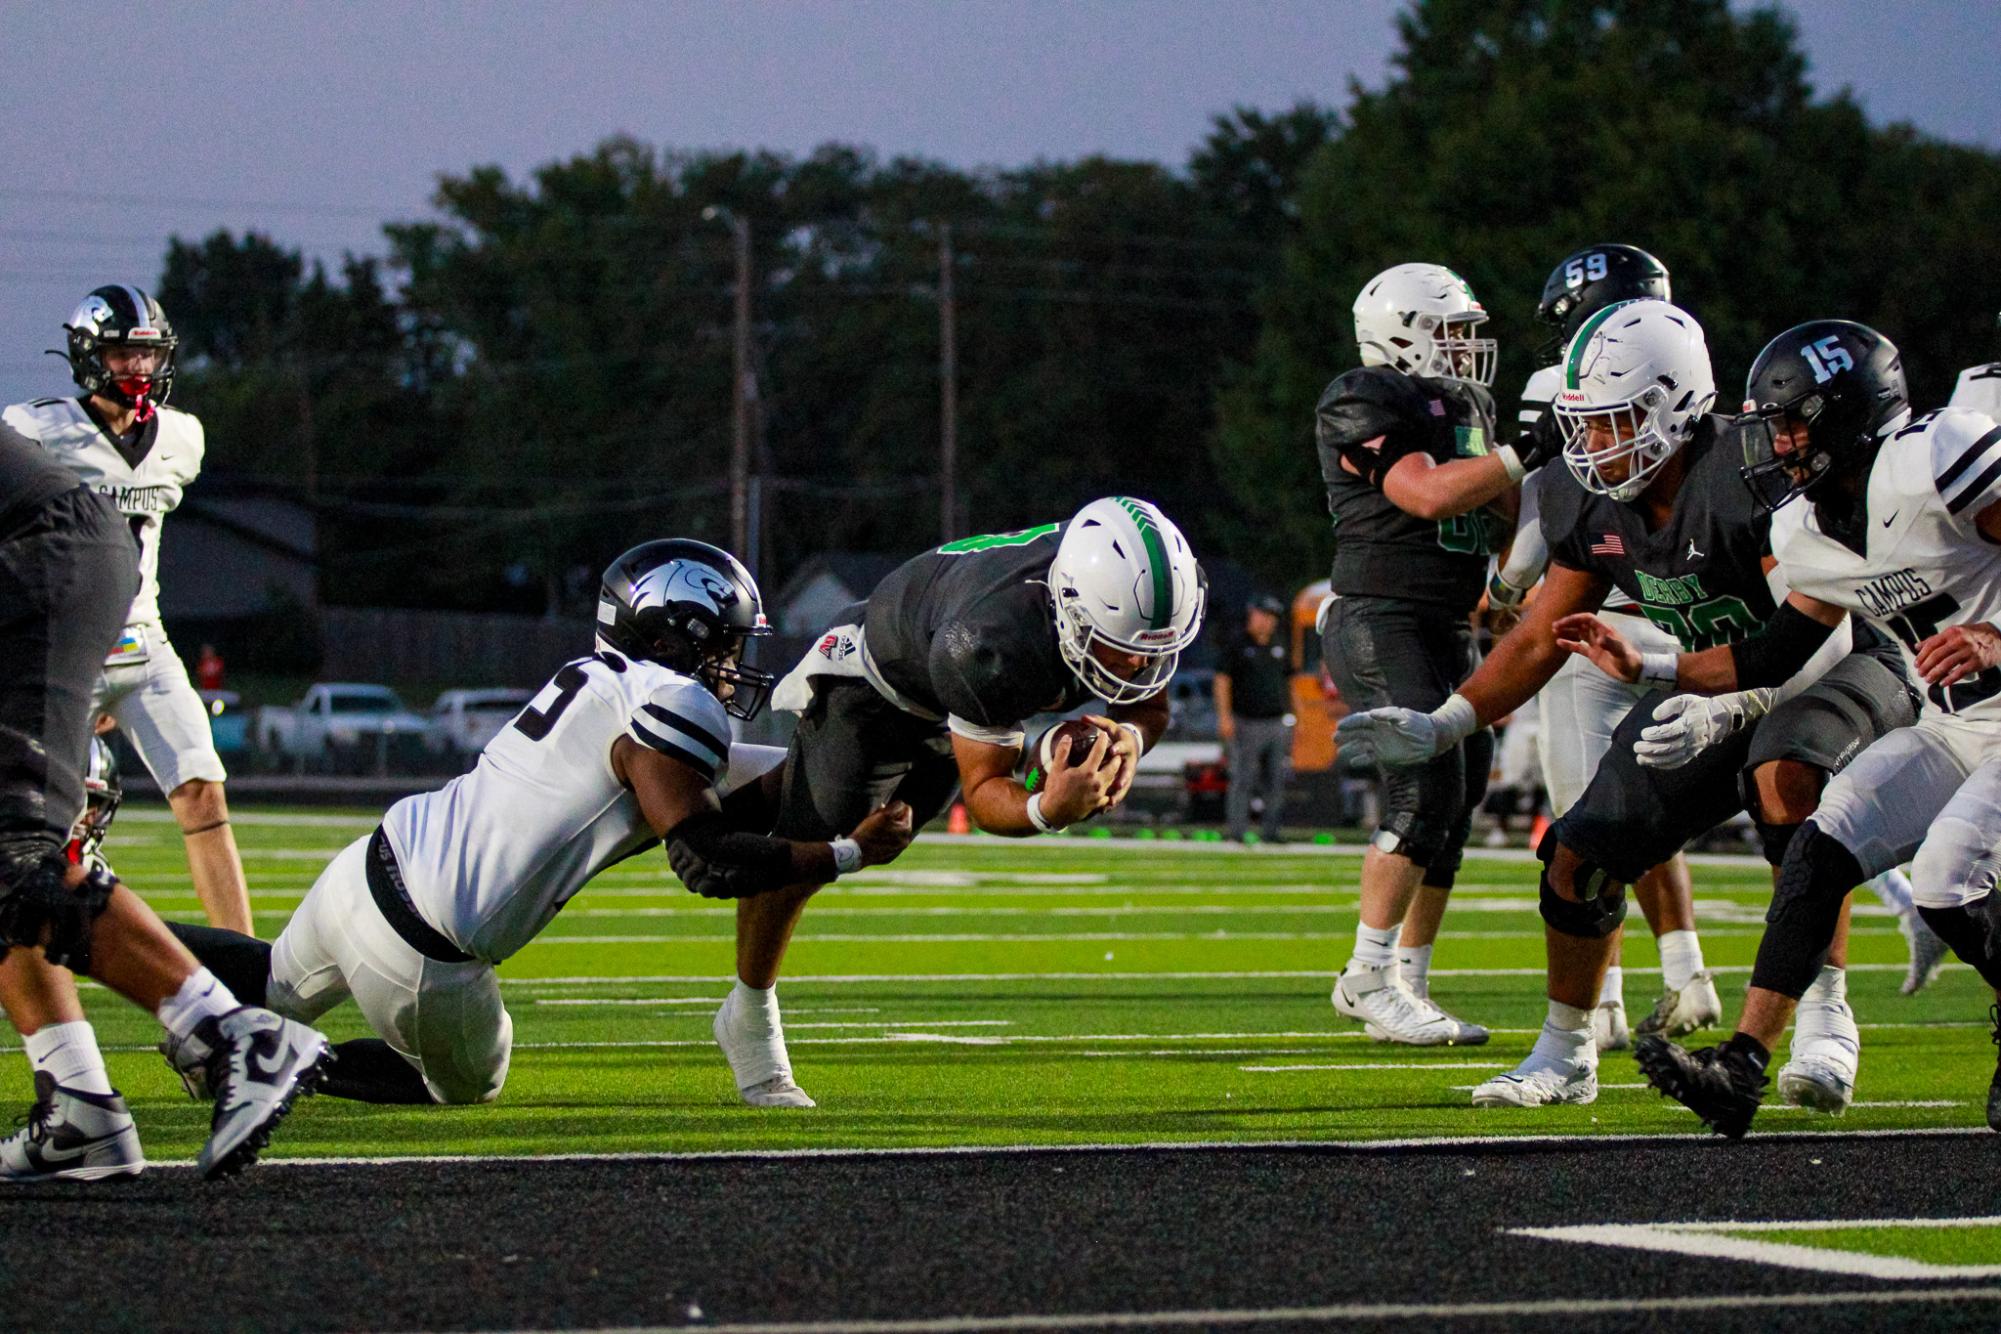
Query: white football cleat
[72, 1136]
[1827, 1051]
[258, 1065]
[1390, 1013]
[754, 1042]
[1540, 1082]
[1608, 1026]
[1928, 952]
[1678, 1013]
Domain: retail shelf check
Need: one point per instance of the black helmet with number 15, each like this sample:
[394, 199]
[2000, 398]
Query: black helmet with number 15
[689, 606]
[1829, 391]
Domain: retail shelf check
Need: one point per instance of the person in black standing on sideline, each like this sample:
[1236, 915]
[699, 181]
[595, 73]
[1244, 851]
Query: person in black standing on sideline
[1254, 718]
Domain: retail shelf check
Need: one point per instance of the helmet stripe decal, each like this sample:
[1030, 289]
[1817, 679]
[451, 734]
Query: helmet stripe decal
[1589, 327]
[1156, 559]
[141, 319]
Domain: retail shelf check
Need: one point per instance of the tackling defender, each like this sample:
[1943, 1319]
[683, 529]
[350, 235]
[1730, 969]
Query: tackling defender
[1650, 501]
[923, 690]
[620, 751]
[1902, 529]
[1407, 452]
[67, 573]
[122, 440]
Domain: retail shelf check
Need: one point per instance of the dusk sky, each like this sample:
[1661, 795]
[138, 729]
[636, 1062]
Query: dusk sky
[316, 122]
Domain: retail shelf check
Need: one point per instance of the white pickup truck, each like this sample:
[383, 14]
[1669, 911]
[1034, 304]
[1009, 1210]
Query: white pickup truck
[356, 726]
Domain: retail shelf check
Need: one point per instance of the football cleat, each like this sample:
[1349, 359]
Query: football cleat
[1928, 952]
[1390, 1013]
[1827, 1049]
[1721, 1086]
[1608, 1026]
[70, 1135]
[255, 1066]
[755, 1046]
[1994, 1085]
[1680, 1012]
[1540, 1082]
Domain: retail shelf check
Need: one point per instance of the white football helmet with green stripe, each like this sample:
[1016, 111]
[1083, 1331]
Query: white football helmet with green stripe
[1422, 320]
[1124, 581]
[1636, 382]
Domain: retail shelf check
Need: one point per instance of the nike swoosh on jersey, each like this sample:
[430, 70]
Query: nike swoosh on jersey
[1892, 519]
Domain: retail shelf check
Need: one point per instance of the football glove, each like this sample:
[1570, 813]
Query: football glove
[1399, 738]
[1686, 725]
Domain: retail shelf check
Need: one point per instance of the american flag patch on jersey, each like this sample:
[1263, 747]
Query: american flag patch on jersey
[1609, 545]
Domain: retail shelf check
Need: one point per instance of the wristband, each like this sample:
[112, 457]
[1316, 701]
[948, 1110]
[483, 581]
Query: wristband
[1456, 719]
[1139, 737]
[1661, 669]
[1035, 815]
[847, 855]
[1503, 595]
[1512, 462]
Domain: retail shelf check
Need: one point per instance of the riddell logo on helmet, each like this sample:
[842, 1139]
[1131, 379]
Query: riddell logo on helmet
[1154, 636]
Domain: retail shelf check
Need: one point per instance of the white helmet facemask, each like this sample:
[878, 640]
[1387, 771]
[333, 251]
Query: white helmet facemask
[1423, 319]
[1637, 382]
[1124, 580]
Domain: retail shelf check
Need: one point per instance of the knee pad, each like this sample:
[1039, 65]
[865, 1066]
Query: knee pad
[1974, 932]
[1775, 839]
[37, 907]
[1815, 877]
[1423, 810]
[1601, 910]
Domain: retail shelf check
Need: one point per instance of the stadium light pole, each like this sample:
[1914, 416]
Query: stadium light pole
[740, 445]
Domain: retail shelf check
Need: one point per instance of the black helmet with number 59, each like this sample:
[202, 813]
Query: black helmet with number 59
[1590, 280]
[689, 606]
[1818, 402]
[117, 316]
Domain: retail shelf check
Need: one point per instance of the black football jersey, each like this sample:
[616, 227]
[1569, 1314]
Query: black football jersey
[28, 478]
[1373, 417]
[1701, 578]
[967, 630]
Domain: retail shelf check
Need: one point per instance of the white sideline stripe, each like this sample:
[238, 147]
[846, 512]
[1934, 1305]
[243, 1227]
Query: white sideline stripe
[1220, 1146]
[1220, 975]
[912, 1023]
[1833, 1224]
[973, 938]
[1383, 1065]
[1554, 1306]
[1706, 1241]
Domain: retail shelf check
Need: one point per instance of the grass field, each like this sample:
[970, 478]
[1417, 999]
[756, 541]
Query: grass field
[980, 992]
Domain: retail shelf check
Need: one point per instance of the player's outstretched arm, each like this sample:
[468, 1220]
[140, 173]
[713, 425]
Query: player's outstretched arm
[717, 860]
[1769, 658]
[1520, 664]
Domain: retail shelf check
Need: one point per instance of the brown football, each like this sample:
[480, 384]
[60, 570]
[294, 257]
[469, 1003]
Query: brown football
[1081, 735]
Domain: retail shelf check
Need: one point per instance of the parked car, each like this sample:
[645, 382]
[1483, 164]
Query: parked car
[228, 723]
[355, 727]
[463, 721]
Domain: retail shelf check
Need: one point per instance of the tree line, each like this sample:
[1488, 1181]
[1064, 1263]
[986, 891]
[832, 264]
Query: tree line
[515, 390]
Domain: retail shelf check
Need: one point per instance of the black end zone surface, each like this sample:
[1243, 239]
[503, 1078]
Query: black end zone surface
[547, 1244]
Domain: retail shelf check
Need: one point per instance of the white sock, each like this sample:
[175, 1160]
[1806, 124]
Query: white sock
[200, 997]
[1373, 948]
[1566, 1036]
[1414, 964]
[759, 1004]
[1681, 958]
[1613, 988]
[1830, 987]
[1894, 888]
[69, 1053]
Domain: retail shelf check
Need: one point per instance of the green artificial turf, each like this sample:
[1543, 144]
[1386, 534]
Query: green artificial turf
[987, 992]
[1957, 1244]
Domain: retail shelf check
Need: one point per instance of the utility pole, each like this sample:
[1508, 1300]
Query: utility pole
[948, 391]
[740, 446]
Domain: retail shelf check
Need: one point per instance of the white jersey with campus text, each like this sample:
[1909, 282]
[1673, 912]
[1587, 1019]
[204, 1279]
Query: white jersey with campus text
[490, 857]
[1926, 567]
[145, 485]
[1979, 388]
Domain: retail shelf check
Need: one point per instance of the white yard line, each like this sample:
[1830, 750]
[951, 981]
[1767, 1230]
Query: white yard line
[1708, 1241]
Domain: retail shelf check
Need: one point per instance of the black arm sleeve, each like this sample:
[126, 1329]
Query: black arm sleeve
[1362, 418]
[719, 862]
[1780, 648]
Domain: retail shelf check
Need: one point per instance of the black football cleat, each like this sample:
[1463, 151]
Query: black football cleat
[1994, 1085]
[1722, 1086]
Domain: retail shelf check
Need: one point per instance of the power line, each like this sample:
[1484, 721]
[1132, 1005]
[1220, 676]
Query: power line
[383, 212]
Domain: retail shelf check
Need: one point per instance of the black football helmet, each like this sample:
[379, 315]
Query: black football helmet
[1845, 383]
[689, 606]
[102, 792]
[120, 316]
[1590, 280]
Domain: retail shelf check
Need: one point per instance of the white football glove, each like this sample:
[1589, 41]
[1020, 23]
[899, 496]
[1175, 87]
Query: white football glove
[1687, 725]
[1401, 738]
